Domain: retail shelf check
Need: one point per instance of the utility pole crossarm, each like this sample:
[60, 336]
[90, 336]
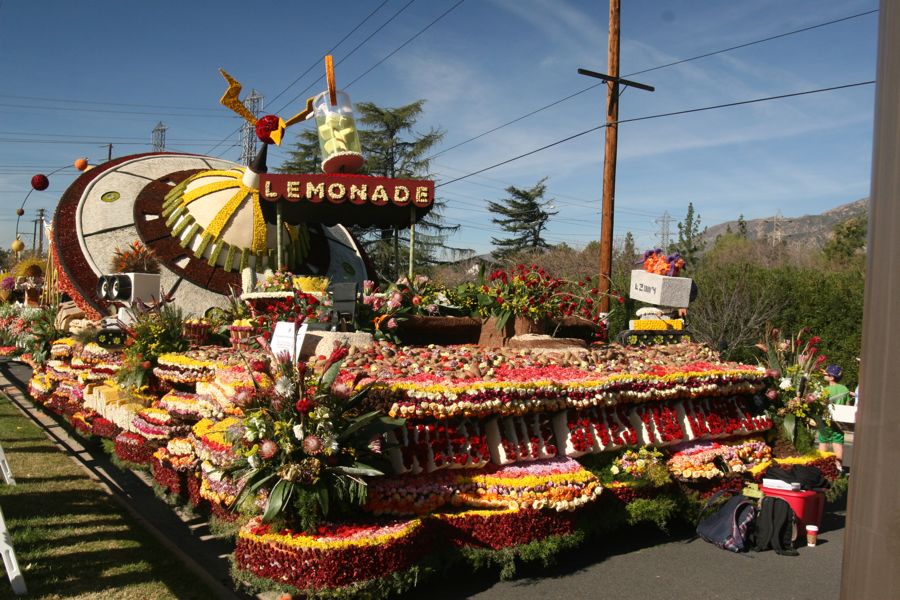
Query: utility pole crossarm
[609, 162]
[619, 80]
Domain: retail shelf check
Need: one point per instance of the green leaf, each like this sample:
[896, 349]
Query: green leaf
[278, 499]
[790, 426]
[358, 469]
[358, 423]
[322, 494]
[502, 319]
[329, 376]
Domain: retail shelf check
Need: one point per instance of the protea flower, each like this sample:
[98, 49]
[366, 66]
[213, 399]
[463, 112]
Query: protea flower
[313, 444]
[268, 449]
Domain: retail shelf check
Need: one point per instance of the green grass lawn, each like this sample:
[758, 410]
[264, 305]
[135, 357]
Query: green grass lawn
[72, 540]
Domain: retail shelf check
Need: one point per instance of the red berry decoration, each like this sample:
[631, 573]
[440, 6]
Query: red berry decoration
[264, 128]
[40, 182]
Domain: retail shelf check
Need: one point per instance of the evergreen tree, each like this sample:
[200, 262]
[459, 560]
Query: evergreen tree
[391, 150]
[306, 157]
[690, 241]
[849, 237]
[742, 227]
[629, 250]
[522, 215]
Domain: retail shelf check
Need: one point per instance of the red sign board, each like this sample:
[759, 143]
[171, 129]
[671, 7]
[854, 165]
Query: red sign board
[362, 199]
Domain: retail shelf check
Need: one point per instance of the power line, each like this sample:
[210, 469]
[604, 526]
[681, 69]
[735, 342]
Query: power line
[404, 44]
[318, 61]
[677, 62]
[112, 111]
[656, 116]
[133, 105]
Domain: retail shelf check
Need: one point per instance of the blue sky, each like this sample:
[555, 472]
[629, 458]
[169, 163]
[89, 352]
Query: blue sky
[79, 75]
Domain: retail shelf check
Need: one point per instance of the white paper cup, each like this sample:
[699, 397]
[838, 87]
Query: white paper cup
[812, 533]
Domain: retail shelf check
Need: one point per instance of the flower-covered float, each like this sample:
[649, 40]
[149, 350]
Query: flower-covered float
[354, 469]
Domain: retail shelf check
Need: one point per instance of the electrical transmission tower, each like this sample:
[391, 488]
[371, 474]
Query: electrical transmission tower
[159, 137]
[254, 103]
[776, 230]
[664, 235]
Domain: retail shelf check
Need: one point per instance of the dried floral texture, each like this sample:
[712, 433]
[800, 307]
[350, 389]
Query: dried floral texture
[7, 282]
[656, 261]
[644, 465]
[135, 258]
[309, 444]
[381, 311]
[797, 391]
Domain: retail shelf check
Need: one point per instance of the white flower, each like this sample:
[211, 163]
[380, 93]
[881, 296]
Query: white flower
[284, 387]
[614, 470]
[785, 383]
[254, 461]
[298, 432]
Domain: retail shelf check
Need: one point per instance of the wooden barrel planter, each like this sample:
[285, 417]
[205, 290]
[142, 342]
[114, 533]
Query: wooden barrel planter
[491, 336]
[424, 330]
[574, 327]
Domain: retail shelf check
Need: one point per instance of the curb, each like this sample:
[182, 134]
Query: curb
[141, 492]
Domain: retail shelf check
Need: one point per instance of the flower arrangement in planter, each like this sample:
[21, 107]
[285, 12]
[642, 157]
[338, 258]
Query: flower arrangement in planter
[307, 445]
[797, 393]
[656, 261]
[279, 297]
[415, 311]
[135, 258]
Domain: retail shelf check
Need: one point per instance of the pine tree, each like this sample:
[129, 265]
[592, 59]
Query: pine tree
[742, 227]
[306, 156]
[690, 241]
[391, 150]
[524, 217]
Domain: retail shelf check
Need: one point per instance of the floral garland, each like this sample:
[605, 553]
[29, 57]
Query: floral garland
[338, 556]
[710, 460]
[182, 368]
[549, 389]
[187, 406]
[133, 448]
[497, 529]
[104, 428]
[62, 348]
[557, 484]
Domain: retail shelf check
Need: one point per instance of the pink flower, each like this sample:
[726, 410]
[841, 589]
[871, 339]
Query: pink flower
[392, 323]
[313, 445]
[368, 286]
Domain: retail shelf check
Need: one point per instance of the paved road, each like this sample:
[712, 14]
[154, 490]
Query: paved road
[652, 567]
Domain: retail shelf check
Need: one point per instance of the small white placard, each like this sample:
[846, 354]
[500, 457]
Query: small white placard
[284, 339]
[301, 335]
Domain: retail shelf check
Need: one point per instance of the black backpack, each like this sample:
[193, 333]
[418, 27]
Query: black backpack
[776, 527]
[730, 526]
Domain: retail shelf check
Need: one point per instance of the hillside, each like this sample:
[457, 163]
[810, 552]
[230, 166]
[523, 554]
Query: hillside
[809, 231]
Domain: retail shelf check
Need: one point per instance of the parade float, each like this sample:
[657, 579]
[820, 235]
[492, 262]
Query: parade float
[350, 463]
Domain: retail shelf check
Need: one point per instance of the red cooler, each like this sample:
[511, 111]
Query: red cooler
[807, 505]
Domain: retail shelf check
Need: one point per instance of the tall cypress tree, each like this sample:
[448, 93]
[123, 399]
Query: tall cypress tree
[524, 216]
[306, 157]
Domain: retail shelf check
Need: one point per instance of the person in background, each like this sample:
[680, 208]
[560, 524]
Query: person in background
[830, 437]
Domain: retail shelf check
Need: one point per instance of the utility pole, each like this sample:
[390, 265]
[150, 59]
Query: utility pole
[663, 234]
[612, 138]
[108, 152]
[40, 231]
